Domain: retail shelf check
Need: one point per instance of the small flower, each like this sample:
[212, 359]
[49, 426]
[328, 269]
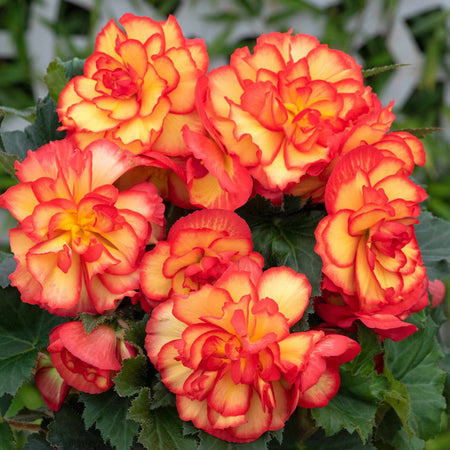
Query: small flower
[198, 250]
[371, 260]
[138, 87]
[51, 385]
[88, 362]
[227, 353]
[80, 241]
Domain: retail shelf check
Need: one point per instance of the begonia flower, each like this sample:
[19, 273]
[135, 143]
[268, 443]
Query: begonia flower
[371, 260]
[227, 353]
[198, 250]
[80, 241]
[138, 87]
[285, 110]
[51, 385]
[88, 362]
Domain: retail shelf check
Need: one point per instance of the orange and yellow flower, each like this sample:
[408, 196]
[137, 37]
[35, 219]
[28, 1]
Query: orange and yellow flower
[367, 243]
[138, 87]
[198, 250]
[285, 109]
[88, 362]
[227, 353]
[80, 241]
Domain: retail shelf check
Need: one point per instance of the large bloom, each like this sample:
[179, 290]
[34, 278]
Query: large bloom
[198, 250]
[227, 353]
[368, 246]
[88, 362]
[80, 241]
[138, 87]
[285, 110]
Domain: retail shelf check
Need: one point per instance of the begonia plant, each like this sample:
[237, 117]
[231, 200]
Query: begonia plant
[238, 258]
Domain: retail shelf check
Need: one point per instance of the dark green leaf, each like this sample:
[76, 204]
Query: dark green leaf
[5, 402]
[7, 441]
[360, 393]
[37, 442]
[376, 70]
[285, 237]
[67, 432]
[132, 377]
[161, 429]
[161, 396]
[414, 362]
[7, 266]
[339, 441]
[45, 126]
[433, 236]
[346, 411]
[16, 145]
[108, 413]
[136, 333]
[208, 442]
[55, 79]
[23, 330]
[43, 130]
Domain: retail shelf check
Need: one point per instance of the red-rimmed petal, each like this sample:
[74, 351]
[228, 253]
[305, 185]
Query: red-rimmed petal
[289, 289]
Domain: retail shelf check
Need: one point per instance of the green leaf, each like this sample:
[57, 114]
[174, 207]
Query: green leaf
[26, 114]
[414, 362]
[37, 442]
[73, 68]
[132, 377]
[5, 402]
[346, 411]
[7, 441]
[339, 441]
[433, 236]
[55, 79]
[161, 396]
[108, 412]
[90, 321]
[208, 442]
[366, 73]
[421, 132]
[67, 432]
[285, 237]
[23, 330]
[136, 333]
[42, 131]
[361, 391]
[161, 429]
[7, 266]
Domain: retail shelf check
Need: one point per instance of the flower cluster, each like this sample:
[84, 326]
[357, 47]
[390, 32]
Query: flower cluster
[148, 128]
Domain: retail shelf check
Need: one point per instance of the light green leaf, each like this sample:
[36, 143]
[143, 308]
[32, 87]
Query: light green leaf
[23, 330]
[421, 132]
[7, 441]
[132, 377]
[161, 429]
[27, 114]
[366, 73]
[108, 413]
[55, 79]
